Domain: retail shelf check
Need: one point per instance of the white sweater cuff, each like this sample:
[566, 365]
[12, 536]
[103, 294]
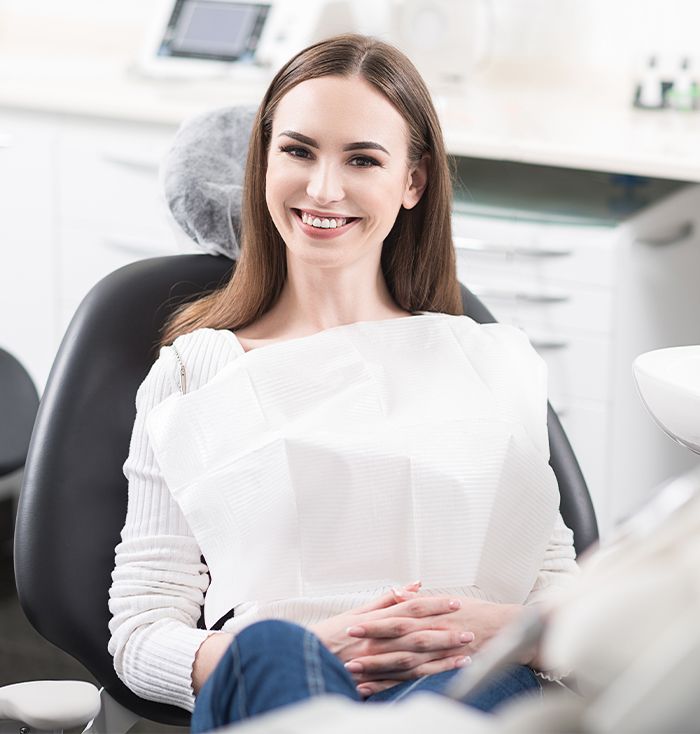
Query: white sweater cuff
[163, 669]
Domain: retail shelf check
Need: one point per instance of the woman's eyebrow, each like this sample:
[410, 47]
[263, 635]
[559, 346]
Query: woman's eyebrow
[360, 145]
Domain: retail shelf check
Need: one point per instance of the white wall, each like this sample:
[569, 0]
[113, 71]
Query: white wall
[607, 34]
[614, 36]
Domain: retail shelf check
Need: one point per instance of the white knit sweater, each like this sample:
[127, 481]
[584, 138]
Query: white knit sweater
[313, 474]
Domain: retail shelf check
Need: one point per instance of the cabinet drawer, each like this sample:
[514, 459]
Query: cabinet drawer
[111, 180]
[550, 252]
[87, 256]
[26, 212]
[592, 258]
[568, 309]
[26, 173]
[545, 306]
[578, 366]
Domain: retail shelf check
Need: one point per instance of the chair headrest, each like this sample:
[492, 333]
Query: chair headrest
[202, 176]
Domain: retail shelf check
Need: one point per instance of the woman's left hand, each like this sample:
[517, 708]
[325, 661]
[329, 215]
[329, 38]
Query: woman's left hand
[382, 644]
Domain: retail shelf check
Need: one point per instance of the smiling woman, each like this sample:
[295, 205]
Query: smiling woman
[346, 130]
[328, 180]
[329, 426]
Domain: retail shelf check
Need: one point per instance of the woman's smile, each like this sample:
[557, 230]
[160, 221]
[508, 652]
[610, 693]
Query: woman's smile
[323, 226]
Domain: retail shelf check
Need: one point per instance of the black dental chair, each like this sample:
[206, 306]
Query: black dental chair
[74, 494]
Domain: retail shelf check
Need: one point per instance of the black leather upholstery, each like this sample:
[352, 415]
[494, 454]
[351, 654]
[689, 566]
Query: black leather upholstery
[18, 405]
[73, 501]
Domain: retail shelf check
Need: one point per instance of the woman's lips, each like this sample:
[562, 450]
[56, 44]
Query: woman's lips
[323, 233]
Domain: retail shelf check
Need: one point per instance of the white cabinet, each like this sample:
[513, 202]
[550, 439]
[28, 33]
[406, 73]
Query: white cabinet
[657, 304]
[111, 206]
[592, 292]
[80, 198]
[543, 278]
[27, 244]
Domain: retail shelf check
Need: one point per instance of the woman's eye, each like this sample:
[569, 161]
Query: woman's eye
[363, 161]
[295, 151]
[359, 161]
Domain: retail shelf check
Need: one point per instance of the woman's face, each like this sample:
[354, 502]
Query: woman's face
[337, 170]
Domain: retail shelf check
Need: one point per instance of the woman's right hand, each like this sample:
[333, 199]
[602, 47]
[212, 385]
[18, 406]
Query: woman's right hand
[422, 647]
[207, 658]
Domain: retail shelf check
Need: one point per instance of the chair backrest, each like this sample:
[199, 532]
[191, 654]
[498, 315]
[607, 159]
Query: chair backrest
[74, 494]
[18, 405]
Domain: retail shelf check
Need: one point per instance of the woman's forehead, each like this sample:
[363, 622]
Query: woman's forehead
[339, 110]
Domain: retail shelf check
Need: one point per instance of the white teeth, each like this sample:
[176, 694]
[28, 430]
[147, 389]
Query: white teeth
[322, 223]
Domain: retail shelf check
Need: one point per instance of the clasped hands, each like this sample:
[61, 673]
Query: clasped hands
[404, 635]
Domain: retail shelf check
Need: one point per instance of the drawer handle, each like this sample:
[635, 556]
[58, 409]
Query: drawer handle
[541, 252]
[133, 246]
[511, 295]
[685, 230]
[542, 297]
[549, 344]
[471, 244]
[134, 164]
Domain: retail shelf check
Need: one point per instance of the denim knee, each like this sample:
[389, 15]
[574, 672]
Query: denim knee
[270, 635]
[269, 664]
[286, 652]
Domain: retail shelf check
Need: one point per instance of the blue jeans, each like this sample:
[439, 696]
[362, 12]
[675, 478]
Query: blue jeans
[274, 663]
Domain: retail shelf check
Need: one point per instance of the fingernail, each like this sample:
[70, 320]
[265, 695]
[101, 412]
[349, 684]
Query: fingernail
[466, 637]
[455, 604]
[355, 631]
[353, 666]
[363, 691]
[398, 592]
[461, 662]
[416, 583]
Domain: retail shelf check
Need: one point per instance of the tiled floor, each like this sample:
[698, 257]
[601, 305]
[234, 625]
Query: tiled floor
[24, 654]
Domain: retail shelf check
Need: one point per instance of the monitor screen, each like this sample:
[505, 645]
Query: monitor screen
[214, 29]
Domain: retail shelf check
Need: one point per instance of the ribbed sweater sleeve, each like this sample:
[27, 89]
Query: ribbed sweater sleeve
[159, 581]
[559, 567]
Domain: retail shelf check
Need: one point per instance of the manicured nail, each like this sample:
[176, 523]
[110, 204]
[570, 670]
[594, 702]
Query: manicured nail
[355, 631]
[466, 637]
[455, 604]
[353, 666]
[461, 662]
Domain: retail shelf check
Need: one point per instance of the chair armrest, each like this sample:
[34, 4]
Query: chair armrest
[50, 704]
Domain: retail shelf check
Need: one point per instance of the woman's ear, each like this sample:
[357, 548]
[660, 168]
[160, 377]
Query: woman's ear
[417, 181]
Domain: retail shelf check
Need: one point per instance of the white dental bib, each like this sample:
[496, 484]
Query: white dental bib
[366, 455]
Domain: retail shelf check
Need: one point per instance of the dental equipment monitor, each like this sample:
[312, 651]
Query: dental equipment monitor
[237, 38]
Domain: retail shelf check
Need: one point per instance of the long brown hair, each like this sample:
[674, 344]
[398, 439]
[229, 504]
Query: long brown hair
[417, 260]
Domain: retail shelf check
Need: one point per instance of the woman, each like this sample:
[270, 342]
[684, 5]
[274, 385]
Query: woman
[329, 426]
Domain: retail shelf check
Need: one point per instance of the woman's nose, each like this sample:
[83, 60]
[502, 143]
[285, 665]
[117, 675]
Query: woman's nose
[325, 183]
